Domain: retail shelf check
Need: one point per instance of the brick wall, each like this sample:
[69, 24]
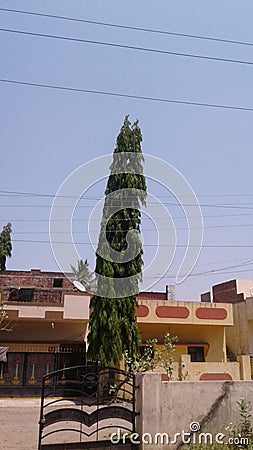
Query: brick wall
[34, 285]
[223, 293]
[206, 297]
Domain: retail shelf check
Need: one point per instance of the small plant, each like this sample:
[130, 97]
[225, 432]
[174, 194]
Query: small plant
[143, 362]
[5, 323]
[182, 373]
[245, 417]
[154, 356]
[237, 438]
[243, 433]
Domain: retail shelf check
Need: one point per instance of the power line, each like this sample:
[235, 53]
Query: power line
[128, 27]
[229, 206]
[221, 271]
[142, 230]
[209, 272]
[30, 241]
[172, 276]
[117, 94]
[93, 197]
[229, 261]
[143, 218]
[127, 47]
[169, 277]
[244, 263]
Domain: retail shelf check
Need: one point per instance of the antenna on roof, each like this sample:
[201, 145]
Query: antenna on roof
[79, 286]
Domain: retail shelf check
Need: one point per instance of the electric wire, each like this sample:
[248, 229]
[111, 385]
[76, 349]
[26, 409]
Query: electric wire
[213, 272]
[127, 47]
[143, 230]
[128, 27]
[4, 193]
[206, 272]
[229, 206]
[40, 194]
[193, 103]
[85, 219]
[172, 276]
[130, 96]
[31, 241]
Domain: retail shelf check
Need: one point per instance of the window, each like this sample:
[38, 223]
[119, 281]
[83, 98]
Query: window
[197, 354]
[21, 295]
[57, 282]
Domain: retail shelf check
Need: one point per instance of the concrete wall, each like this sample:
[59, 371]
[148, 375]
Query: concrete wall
[196, 371]
[245, 287]
[170, 407]
[240, 336]
[249, 306]
[237, 336]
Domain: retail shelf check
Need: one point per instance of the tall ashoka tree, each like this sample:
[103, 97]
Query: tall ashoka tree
[119, 256]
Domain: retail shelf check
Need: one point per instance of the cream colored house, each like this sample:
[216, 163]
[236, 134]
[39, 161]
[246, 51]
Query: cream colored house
[51, 322]
[201, 329]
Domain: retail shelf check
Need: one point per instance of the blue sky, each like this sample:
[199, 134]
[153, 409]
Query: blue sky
[46, 134]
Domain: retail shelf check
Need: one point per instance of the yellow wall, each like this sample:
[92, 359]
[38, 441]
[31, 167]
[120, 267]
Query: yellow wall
[192, 307]
[189, 334]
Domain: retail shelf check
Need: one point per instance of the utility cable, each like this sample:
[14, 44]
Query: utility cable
[30, 241]
[85, 219]
[128, 27]
[229, 206]
[92, 197]
[127, 47]
[117, 94]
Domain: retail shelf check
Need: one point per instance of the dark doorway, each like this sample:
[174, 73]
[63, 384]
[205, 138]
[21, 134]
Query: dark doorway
[196, 353]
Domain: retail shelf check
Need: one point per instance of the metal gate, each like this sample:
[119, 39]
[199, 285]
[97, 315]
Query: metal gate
[22, 374]
[82, 406]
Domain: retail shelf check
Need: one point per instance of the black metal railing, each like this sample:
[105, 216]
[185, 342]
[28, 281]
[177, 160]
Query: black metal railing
[32, 295]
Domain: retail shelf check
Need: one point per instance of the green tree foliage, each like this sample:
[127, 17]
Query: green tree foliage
[82, 273]
[5, 246]
[113, 327]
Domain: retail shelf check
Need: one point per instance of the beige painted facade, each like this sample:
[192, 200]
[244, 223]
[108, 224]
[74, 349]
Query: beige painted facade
[204, 325]
[39, 327]
[199, 327]
[191, 330]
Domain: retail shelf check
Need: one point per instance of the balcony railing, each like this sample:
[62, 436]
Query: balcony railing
[32, 295]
